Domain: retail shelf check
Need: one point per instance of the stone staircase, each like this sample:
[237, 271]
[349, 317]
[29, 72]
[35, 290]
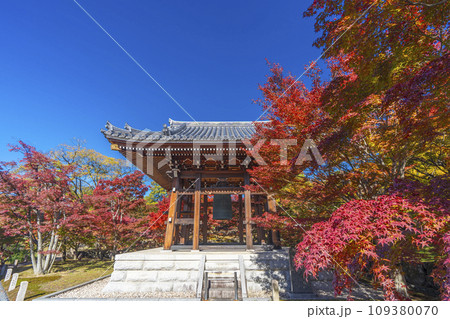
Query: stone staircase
[221, 286]
[221, 279]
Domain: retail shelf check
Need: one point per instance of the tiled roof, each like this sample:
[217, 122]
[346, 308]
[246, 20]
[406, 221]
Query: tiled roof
[185, 131]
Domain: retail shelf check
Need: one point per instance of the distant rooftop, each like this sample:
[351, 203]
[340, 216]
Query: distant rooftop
[185, 131]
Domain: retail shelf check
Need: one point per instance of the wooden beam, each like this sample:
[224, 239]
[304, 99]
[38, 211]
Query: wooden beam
[248, 216]
[213, 173]
[168, 239]
[196, 231]
[184, 221]
[206, 191]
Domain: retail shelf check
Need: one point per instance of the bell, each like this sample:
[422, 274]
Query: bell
[222, 209]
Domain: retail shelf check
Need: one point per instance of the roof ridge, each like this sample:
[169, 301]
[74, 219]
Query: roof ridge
[175, 121]
[186, 131]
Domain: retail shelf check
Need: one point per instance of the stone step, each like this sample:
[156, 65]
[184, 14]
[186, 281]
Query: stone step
[222, 294]
[221, 266]
[222, 284]
[222, 274]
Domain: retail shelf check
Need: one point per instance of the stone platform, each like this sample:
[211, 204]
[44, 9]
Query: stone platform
[182, 270]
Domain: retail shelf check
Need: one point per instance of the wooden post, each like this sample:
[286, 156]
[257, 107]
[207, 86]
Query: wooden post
[168, 239]
[241, 221]
[196, 231]
[205, 220]
[248, 216]
[272, 205]
[177, 239]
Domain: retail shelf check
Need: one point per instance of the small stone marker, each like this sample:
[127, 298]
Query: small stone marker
[13, 283]
[16, 262]
[275, 290]
[8, 274]
[2, 273]
[22, 291]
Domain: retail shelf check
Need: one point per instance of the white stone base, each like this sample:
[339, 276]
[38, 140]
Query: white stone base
[156, 270]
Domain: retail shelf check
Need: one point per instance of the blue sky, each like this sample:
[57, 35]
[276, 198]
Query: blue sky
[61, 77]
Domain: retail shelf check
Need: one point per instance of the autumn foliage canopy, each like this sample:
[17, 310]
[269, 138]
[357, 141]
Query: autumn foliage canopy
[381, 125]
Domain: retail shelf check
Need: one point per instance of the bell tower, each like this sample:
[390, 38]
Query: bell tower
[203, 166]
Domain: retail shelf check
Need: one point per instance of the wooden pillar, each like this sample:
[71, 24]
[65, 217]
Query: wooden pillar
[168, 239]
[259, 230]
[196, 231]
[241, 221]
[272, 205]
[178, 227]
[205, 220]
[248, 217]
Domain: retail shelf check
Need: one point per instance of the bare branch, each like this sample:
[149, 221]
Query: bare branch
[429, 5]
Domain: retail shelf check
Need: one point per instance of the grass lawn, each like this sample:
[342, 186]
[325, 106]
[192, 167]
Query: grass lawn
[63, 275]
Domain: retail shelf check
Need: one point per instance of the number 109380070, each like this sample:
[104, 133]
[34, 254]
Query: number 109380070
[403, 310]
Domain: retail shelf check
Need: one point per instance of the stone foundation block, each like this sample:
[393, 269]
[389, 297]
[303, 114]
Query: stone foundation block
[128, 265]
[179, 275]
[187, 265]
[118, 276]
[158, 265]
[141, 276]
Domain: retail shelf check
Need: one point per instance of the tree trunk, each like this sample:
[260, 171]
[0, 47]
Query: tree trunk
[38, 270]
[50, 257]
[64, 255]
[32, 257]
[75, 256]
[400, 283]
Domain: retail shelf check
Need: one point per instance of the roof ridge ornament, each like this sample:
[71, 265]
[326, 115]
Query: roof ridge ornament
[165, 130]
[109, 126]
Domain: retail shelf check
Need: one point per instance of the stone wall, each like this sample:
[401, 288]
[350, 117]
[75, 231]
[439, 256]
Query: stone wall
[156, 270]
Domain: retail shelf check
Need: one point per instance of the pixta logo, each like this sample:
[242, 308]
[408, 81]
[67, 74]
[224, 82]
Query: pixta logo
[159, 154]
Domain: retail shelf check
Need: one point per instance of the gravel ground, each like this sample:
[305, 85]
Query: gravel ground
[94, 290]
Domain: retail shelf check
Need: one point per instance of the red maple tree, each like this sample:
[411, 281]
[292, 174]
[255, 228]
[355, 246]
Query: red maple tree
[35, 202]
[380, 122]
[117, 207]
